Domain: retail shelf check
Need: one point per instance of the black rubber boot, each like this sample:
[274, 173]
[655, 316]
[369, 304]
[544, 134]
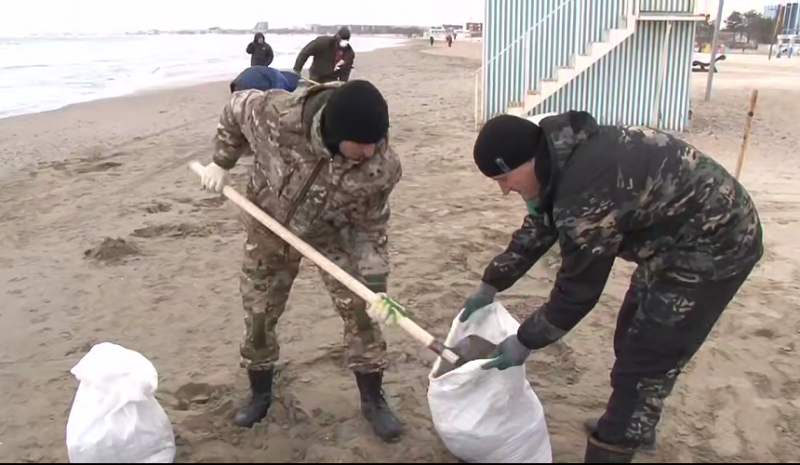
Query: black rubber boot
[256, 409]
[374, 407]
[648, 445]
[597, 452]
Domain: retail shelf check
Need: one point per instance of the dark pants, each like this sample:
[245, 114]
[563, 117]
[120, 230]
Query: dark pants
[660, 327]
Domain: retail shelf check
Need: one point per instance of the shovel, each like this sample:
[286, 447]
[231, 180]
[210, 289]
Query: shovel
[380, 307]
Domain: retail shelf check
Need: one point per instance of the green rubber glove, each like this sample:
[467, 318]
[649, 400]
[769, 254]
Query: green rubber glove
[378, 283]
[481, 298]
[510, 353]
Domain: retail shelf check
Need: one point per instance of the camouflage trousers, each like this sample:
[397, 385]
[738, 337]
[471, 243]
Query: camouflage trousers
[660, 327]
[269, 268]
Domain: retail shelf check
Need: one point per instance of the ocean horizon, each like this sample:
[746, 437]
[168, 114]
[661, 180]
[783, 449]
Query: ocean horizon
[47, 72]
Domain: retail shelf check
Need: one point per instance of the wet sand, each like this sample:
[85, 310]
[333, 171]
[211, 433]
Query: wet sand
[106, 236]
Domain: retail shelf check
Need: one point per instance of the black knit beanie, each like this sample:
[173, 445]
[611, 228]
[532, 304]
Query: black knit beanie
[507, 142]
[356, 112]
[344, 33]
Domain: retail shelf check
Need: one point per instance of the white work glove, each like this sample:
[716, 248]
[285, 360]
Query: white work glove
[214, 177]
[339, 65]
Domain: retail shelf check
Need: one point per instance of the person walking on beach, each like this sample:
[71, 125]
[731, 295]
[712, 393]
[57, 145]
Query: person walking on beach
[324, 168]
[260, 51]
[642, 195]
[333, 58]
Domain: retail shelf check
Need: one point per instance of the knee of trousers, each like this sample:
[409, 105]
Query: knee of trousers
[260, 340]
[634, 409]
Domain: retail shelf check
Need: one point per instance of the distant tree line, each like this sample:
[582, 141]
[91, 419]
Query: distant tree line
[751, 26]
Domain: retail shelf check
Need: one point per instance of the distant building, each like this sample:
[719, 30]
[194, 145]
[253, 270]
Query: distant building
[436, 33]
[263, 26]
[475, 29]
[791, 17]
[367, 29]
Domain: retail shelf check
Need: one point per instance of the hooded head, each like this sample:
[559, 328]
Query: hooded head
[259, 38]
[343, 37]
[513, 152]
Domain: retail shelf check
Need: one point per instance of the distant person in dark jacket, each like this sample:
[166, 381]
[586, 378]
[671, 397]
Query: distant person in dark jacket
[264, 78]
[260, 52]
[333, 57]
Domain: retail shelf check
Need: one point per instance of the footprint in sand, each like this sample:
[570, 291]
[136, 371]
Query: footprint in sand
[157, 207]
[100, 167]
[174, 230]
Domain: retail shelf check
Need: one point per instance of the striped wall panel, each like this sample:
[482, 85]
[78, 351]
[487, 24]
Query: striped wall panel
[623, 87]
[666, 6]
[526, 41]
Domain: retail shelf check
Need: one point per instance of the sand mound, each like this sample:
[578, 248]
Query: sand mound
[112, 250]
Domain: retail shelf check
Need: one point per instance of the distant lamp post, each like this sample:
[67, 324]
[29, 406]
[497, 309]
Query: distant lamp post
[714, 45]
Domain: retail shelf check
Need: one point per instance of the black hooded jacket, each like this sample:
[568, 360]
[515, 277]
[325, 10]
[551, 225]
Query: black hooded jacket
[628, 192]
[260, 54]
[325, 50]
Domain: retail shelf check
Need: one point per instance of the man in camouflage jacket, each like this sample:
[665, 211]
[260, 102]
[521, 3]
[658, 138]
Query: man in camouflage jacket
[642, 195]
[323, 168]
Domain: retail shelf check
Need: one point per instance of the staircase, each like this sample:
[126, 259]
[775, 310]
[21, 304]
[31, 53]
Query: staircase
[559, 46]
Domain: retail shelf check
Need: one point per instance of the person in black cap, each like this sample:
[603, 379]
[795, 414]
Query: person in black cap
[323, 167]
[642, 195]
[333, 58]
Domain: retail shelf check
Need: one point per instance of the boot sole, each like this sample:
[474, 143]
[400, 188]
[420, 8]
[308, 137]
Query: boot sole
[649, 449]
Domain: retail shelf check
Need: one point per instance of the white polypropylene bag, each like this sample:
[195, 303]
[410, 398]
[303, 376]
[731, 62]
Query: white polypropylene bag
[115, 417]
[488, 416]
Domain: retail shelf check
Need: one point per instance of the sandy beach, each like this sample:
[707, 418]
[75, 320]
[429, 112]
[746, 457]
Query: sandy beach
[107, 236]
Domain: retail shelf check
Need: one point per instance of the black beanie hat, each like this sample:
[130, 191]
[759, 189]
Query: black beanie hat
[356, 112]
[505, 143]
[344, 33]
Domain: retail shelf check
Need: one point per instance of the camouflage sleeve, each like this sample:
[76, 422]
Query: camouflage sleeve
[589, 243]
[238, 120]
[370, 221]
[528, 244]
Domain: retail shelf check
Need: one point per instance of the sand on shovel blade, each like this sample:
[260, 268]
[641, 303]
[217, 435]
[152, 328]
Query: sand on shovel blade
[470, 348]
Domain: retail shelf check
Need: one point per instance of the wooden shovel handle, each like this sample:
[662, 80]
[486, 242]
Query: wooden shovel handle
[371, 298]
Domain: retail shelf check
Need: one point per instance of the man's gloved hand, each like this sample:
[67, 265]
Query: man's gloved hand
[214, 177]
[481, 298]
[510, 353]
[377, 283]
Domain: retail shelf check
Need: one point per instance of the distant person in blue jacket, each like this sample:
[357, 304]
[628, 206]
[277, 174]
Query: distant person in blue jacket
[265, 78]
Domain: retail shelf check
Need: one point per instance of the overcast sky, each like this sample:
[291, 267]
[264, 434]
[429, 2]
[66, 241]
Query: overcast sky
[41, 16]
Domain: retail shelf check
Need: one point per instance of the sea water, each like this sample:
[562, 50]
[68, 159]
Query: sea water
[49, 72]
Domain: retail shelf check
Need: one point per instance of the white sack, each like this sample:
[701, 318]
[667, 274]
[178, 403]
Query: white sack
[115, 417]
[488, 416]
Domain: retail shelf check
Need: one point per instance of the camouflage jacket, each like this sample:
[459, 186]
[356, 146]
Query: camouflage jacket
[629, 192]
[297, 181]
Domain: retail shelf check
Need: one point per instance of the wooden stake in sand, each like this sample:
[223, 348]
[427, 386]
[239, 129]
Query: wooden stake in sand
[380, 306]
[746, 135]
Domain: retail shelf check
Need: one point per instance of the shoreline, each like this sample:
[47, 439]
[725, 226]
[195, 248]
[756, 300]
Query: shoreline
[78, 118]
[188, 82]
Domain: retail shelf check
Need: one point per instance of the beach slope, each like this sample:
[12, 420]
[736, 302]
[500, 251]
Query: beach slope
[106, 236]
